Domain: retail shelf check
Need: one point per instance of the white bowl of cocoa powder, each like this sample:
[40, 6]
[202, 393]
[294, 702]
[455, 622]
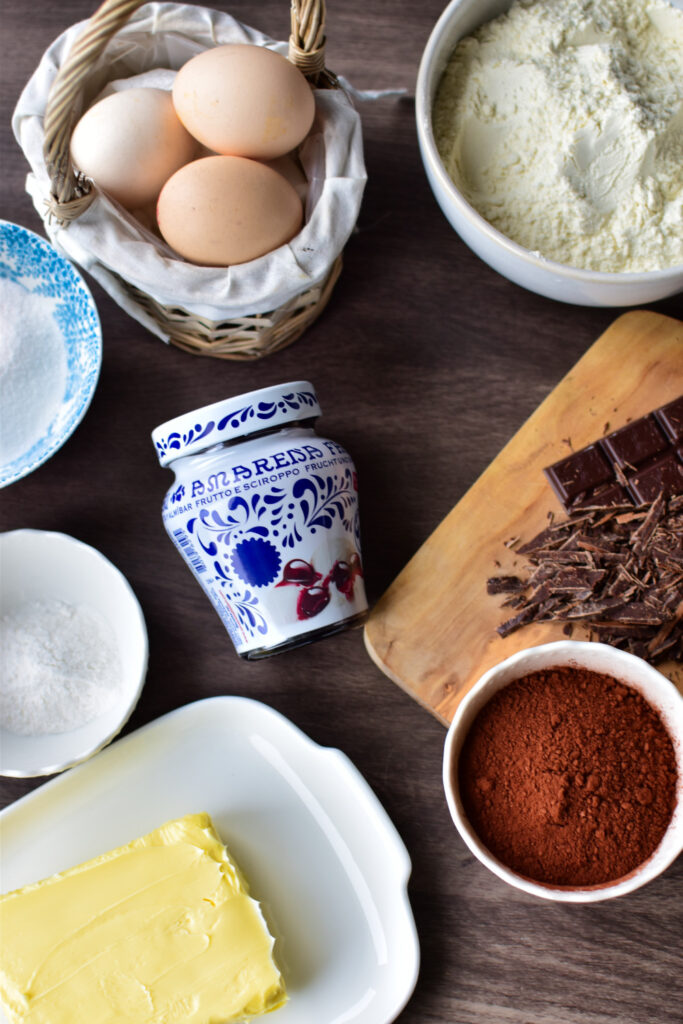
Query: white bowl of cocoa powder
[563, 771]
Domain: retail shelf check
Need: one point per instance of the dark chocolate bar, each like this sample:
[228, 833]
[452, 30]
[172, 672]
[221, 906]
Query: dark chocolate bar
[630, 466]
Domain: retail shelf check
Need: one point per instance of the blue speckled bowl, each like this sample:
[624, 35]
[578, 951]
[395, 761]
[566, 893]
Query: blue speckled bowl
[30, 261]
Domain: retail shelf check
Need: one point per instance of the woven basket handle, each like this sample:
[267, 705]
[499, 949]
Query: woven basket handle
[71, 193]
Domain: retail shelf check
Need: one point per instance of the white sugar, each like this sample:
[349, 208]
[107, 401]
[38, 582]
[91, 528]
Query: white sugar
[60, 668]
[32, 368]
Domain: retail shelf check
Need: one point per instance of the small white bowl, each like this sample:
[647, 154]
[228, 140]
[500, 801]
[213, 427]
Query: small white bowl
[657, 690]
[41, 565]
[546, 277]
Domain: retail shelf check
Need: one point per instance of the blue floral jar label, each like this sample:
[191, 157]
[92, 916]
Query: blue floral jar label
[270, 528]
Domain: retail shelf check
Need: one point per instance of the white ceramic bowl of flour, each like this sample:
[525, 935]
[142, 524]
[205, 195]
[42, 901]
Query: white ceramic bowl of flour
[546, 276]
[73, 646]
[50, 351]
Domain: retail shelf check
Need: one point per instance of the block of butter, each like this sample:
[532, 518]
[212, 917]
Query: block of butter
[160, 931]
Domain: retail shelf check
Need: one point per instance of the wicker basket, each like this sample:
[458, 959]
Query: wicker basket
[244, 338]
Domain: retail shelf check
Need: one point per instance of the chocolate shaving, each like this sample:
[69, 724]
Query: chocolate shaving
[638, 613]
[616, 571]
[568, 581]
[614, 629]
[525, 616]
[662, 640]
[642, 536]
[563, 556]
[504, 585]
[667, 554]
[591, 609]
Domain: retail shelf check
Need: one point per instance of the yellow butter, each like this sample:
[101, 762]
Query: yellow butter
[159, 931]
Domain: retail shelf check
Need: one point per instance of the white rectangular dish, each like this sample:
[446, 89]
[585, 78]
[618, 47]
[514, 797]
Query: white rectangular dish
[318, 849]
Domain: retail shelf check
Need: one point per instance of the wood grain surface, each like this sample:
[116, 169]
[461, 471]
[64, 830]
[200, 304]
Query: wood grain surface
[426, 363]
[434, 631]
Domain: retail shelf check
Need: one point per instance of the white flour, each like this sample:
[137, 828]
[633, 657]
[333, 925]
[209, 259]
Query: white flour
[562, 123]
[60, 668]
[32, 368]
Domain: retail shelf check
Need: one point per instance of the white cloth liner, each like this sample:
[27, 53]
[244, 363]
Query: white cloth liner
[106, 240]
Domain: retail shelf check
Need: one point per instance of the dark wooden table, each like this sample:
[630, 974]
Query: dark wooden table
[426, 362]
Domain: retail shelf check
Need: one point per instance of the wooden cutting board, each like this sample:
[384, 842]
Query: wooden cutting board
[434, 632]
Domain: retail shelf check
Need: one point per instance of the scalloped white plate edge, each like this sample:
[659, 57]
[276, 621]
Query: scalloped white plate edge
[329, 783]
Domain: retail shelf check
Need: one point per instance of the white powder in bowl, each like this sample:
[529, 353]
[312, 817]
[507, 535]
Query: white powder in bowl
[562, 124]
[60, 667]
[32, 368]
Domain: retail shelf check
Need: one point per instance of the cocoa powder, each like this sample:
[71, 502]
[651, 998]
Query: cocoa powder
[568, 777]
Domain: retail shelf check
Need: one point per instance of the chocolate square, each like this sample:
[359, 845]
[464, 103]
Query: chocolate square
[606, 496]
[665, 474]
[671, 419]
[635, 443]
[580, 471]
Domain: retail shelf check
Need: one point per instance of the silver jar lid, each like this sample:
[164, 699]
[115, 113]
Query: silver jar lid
[235, 418]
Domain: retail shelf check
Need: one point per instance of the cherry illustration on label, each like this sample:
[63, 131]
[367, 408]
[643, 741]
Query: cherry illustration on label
[299, 573]
[342, 578]
[314, 596]
[311, 601]
[343, 575]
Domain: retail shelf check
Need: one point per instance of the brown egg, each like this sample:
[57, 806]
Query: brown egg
[222, 210]
[130, 143]
[244, 100]
[290, 168]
